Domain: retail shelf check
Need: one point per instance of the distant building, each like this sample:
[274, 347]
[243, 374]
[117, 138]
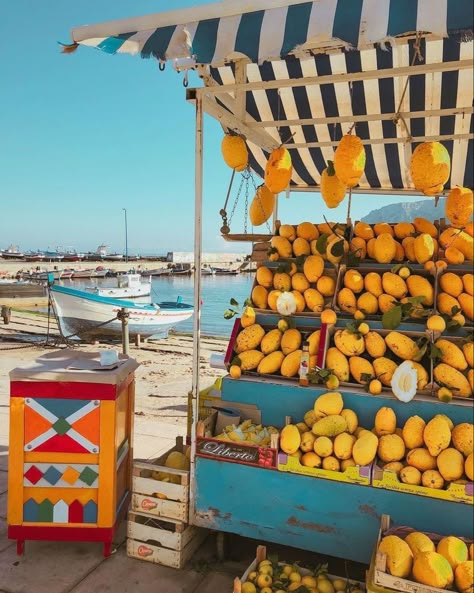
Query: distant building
[187, 257]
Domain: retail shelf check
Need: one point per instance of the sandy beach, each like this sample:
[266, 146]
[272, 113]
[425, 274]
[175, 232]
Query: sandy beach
[163, 379]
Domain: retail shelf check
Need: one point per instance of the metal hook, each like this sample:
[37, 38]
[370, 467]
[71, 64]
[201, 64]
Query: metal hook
[185, 80]
[162, 65]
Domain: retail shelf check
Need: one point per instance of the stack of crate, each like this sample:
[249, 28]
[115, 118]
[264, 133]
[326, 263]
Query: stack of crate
[158, 527]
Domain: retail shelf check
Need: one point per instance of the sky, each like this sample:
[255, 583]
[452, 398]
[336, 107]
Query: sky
[84, 136]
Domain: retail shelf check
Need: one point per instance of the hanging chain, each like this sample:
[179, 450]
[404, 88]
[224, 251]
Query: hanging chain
[247, 182]
[237, 198]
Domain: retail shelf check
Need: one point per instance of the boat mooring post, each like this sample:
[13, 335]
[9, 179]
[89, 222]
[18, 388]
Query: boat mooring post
[123, 315]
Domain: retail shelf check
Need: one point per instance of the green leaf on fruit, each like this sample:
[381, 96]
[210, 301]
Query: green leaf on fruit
[229, 313]
[421, 350]
[435, 352]
[300, 260]
[322, 243]
[284, 268]
[337, 248]
[366, 377]
[248, 303]
[235, 361]
[234, 303]
[353, 258]
[392, 319]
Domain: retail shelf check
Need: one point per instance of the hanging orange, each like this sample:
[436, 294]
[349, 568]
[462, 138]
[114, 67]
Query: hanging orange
[349, 160]
[332, 188]
[235, 152]
[430, 167]
[278, 170]
[262, 206]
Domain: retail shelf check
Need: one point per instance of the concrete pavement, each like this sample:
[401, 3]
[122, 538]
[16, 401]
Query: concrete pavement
[55, 567]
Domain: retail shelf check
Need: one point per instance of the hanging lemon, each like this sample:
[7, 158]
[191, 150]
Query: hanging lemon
[459, 206]
[262, 206]
[278, 170]
[234, 152]
[349, 160]
[332, 188]
[430, 167]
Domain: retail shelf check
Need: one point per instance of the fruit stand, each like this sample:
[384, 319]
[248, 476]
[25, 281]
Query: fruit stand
[386, 93]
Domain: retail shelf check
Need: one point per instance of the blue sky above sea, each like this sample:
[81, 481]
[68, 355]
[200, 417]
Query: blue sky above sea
[85, 135]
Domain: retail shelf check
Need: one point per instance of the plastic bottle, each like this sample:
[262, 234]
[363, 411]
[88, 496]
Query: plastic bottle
[304, 365]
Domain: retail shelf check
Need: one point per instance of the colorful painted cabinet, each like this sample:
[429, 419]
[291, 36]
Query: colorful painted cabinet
[71, 433]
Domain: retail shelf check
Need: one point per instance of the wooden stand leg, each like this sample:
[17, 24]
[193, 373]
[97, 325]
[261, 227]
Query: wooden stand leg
[220, 545]
[107, 549]
[20, 547]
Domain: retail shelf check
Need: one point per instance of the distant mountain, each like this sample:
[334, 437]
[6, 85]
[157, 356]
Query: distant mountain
[407, 211]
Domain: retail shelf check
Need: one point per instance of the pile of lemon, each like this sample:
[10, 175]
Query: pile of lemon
[283, 578]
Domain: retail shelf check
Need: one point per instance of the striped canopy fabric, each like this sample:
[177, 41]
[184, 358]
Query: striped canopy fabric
[311, 119]
[272, 29]
[302, 73]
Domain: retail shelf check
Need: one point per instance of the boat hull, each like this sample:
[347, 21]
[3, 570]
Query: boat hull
[81, 313]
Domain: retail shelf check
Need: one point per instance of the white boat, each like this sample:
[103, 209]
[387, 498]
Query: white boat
[207, 270]
[129, 286]
[81, 313]
[11, 253]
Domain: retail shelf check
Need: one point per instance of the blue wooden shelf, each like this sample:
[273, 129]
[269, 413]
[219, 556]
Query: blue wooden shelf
[320, 515]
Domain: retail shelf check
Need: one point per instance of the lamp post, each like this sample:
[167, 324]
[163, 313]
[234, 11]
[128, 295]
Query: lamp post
[126, 236]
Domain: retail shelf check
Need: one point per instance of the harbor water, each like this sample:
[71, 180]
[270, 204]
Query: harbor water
[216, 292]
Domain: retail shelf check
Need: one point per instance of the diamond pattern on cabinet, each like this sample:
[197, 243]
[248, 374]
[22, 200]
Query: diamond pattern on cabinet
[61, 475]
[60, 425]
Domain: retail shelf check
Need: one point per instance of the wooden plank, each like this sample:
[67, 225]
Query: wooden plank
[159, 555]
[396, 140]
[107, 474]
[453, 66]
[160, 508]
[150, 486]
[15, 461]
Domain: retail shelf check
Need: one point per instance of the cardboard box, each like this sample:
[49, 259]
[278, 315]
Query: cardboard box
[352, 475]
[389, 480]
[378, 579]
[233, 452]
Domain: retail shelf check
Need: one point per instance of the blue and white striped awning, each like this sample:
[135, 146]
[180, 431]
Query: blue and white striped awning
[302, 73]
[265, 30]
[311, 119]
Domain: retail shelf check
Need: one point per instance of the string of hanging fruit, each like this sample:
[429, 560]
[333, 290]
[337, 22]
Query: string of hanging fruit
[430, 168]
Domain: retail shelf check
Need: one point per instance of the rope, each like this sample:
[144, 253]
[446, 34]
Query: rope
[349, 205]
[417, 56]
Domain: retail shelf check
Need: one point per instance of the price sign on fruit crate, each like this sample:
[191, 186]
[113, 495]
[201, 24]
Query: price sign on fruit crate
[264, 457]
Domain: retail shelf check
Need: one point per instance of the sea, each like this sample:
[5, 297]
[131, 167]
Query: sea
[216, 293]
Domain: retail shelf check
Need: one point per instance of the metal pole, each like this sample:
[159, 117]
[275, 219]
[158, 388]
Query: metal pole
[124, 314]
[197, 292]
[126, 236]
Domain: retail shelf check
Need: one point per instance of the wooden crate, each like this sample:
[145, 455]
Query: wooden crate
[262, 554]
[379, 579]
[162, 540]
[155, 497]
